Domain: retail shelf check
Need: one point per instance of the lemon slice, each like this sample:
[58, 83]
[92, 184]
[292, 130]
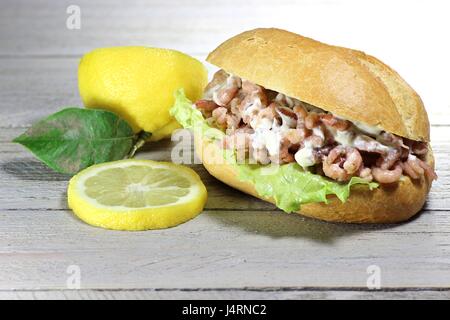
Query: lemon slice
[136, 195]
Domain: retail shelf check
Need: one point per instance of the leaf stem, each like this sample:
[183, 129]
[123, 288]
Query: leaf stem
[142, 137]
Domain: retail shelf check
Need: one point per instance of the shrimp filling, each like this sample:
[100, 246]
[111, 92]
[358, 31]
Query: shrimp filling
[265, 127]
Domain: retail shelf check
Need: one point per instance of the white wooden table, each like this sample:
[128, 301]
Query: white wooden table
[239, 247]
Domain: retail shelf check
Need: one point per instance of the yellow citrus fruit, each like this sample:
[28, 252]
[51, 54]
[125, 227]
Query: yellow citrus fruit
[165, 131]
[138, 83]
[136, 195]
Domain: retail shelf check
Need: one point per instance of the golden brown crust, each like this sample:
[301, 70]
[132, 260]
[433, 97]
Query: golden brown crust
[345, 82]
[386, 204]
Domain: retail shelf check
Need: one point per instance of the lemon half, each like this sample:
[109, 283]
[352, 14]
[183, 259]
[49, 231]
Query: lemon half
[136, 195]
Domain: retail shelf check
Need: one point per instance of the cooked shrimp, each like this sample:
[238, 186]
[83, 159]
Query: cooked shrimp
[387, 160]
[409, 170]
[365, 173]
[265, 117]
[287, 112]
[220, 116]
[414, 168]
[253, 102]
[219, 78]
[334, 171]
[301, 114]
[368, 144]
[292, 138]
[287, 117]
[351, 159]
[225, 120]
[286, 156]
[223, 96]
[227, 91]
[429, 171]
[287, 101]
[332, 121]
[233, 122]
[206, 105]
[295, 136]
[321, 153]
[415, 165]
[391, 139]
[404, 153]
[249, 87]
[315, 141]
[386, 175]
[419, 148]
[312, 120]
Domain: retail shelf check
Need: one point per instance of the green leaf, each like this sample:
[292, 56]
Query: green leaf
[73, 139]
[291, 186]
[191, 118]
[288, 184]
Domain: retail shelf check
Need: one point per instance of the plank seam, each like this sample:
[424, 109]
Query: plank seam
[274, 210]
[244, 289]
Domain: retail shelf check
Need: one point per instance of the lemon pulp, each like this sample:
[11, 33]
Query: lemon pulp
[136, 195]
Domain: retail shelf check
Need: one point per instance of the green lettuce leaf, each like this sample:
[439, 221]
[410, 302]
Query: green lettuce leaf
[288, 184]
[291, 186]
[191, 118]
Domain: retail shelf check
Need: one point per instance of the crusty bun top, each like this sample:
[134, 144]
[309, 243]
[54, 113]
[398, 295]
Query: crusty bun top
[346, 82]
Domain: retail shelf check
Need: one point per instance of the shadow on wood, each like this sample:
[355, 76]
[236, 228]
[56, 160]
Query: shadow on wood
[277, 224]
[30, 169]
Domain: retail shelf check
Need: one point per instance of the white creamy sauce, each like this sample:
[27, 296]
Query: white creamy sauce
[251, 110]
[357, 138]
[371, 130]
[345, 138]
[369, 144]
[317, 131]
[365, 128]
[269, 139]
[263, 123]
[304, 156]
[258, 139]
[269, 136]
[212, 93]
[273, 142]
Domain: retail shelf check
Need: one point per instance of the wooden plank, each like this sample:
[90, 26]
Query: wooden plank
[222, 249]
[229, 294]
[31, 89]
[23, 176]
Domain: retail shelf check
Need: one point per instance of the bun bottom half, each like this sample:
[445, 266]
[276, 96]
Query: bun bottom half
[385, 204]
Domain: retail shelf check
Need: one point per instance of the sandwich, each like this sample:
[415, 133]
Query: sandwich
[325, 131]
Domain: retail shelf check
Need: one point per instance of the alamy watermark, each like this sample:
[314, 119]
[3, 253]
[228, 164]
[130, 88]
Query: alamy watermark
[74, 279]
[374, 279]
[73, 21]
[217, 148]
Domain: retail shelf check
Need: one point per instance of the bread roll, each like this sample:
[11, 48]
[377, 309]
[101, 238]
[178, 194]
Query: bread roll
[345, 82]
